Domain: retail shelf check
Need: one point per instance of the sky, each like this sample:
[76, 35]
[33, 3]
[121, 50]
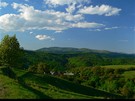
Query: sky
[94, 24]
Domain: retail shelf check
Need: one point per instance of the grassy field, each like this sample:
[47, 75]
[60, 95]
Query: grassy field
[129, 74]
[36, 86]
[119, 66]
[129, 70]
[10, 89]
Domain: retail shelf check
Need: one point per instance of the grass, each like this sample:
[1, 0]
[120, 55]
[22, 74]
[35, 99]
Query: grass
[129, 74]
[129, 70]
[119, 66]
[36, 86]
[10, 89]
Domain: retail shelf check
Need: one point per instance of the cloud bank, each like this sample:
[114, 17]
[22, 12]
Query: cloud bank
[3, 4]
[30, 18]
[65, 2]
[100, 10]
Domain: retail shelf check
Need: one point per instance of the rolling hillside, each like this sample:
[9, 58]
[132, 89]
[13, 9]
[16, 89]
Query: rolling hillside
[70, 50]
[27, 85]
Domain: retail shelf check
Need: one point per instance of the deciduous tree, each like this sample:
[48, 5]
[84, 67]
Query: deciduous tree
[10, 51]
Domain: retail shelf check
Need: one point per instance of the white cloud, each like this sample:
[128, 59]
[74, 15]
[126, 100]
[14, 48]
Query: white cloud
[98, 30]
[58, 31]
[72, 4]
[95, 30]
[64, 2]
[3, 4]
[103, 29]
[87, 25]
[11, 22]
[29, 18]
[44, 37]
[111, 28]
[31, 32]
[100, 10]
[71, 8]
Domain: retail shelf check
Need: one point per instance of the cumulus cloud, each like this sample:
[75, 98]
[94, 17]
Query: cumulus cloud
[71, 8]
[100, 10]
[29, 18]
[64, 2]
[12, 22]
[43, 37]
[72, 4]
[3, 4]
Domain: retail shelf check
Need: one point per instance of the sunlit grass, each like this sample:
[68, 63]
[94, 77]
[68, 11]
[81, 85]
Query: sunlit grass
[10, 89]
[129, 74]
[38, 86]
[119, 66]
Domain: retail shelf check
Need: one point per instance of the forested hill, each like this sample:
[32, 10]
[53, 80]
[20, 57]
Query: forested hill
[71, 50]
[72, 57]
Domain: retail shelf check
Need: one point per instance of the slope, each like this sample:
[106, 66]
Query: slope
[36, 86]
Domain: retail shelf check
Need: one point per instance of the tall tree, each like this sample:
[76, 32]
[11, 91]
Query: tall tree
[10, 51]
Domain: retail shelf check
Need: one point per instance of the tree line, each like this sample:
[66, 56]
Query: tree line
[86, 66]
[107, 79]
[12, 55]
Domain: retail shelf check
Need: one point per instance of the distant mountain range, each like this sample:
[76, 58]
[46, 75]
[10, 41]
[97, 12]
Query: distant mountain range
[71, 50]
[64, 50]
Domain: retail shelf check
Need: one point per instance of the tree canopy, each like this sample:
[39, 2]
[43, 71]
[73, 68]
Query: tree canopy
[10, 51]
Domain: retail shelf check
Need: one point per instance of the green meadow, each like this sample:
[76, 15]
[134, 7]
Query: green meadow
[125, 67]
[128, 70]
[27, 85]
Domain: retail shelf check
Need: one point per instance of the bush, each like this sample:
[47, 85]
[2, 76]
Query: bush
[39, 68]
[32, 68]
[128, 89]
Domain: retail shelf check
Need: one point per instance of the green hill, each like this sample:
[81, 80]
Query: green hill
[72, 50]
[27, 85]
[67, 50]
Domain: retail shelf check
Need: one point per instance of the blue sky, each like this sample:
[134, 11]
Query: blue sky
[94, 24]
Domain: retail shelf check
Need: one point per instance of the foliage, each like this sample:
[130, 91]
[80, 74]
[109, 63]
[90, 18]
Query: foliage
[39, 68]
[10, 51]
[38, 86]
[110, 72]
[71, 60]
[110, 86]
[128, 88]
[108, 79]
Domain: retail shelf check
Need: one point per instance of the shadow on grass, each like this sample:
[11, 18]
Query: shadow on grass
[77, 88]
[8, 72]
[69, 86]
[38, 93]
